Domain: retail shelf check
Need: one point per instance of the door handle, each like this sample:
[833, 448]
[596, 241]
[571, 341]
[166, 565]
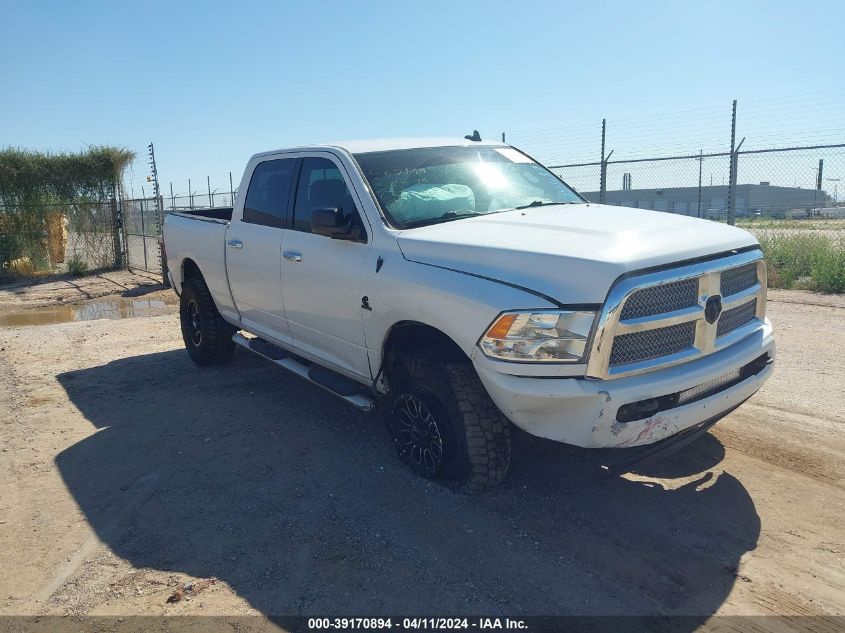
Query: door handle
[235, 243]
[292, 256]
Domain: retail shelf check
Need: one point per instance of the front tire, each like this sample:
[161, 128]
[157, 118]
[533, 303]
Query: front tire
[208, 338]
[445, 426]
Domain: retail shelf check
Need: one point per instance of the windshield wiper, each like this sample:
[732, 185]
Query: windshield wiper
[540, 203]
[446, 217]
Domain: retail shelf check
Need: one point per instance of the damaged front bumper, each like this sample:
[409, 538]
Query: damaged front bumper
[586, 412]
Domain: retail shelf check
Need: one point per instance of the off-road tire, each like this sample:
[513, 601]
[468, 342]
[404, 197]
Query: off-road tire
[212, 343]
[476, 435]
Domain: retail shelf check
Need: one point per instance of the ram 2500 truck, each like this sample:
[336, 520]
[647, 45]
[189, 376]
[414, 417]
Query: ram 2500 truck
[468, 288]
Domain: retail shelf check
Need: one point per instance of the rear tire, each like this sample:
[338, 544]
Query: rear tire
[445, 426]
[208, 338]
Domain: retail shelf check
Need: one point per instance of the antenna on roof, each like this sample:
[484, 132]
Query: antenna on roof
[474, 137]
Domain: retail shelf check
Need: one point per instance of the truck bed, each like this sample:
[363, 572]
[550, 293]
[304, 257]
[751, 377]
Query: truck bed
[199, 235]
[217, 213]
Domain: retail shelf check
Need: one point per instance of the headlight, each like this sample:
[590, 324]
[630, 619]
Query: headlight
[541, 336]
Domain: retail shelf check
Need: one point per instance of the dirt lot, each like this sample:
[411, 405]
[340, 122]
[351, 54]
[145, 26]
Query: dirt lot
[126, 470]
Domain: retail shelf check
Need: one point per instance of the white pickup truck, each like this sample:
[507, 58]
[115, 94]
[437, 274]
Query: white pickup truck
[467, 287]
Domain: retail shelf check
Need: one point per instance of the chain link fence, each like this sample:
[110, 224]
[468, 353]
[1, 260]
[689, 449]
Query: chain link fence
[215, 199]
[142, 224]
[141, 229]
[787, 197]
[80, 237]
[801, 227]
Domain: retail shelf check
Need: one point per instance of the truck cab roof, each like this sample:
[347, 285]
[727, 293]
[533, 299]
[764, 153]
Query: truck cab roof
[386, 144]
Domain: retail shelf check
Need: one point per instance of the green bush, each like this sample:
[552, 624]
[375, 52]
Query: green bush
[805, 261]
[829, 270]
[34, 185]
[77, 267]
[805, 283]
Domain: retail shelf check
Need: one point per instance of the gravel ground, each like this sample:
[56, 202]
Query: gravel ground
[125, 470]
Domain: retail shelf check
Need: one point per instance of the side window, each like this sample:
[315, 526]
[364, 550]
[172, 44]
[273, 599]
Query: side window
[321, 185]
[269, 191]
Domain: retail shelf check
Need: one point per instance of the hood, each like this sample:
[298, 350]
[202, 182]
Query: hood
[572, 253]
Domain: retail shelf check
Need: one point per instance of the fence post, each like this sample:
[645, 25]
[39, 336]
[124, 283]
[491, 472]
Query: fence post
[159, 218]
[732, 190]
[603, 168]
[700, 167]
[732, 170]
[144, 230]
[732, 184]
[117, 229]
[602, 181]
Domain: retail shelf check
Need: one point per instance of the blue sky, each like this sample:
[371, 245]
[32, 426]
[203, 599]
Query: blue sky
[211, 82]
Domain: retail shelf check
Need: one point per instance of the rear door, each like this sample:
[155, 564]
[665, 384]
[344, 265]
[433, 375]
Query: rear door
[254, 248]
[322, 276]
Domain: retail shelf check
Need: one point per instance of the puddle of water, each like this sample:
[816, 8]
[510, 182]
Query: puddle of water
[121, 309]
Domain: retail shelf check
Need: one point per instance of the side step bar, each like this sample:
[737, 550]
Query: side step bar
[341, 386]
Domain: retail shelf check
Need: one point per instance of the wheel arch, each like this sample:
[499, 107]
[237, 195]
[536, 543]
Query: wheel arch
[189, 270]
[409, 335]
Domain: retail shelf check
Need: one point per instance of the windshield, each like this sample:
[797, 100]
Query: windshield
[416, 187]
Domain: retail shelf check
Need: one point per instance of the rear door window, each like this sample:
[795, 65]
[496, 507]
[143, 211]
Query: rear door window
[269, 192]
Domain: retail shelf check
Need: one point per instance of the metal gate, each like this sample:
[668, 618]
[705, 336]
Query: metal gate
[141, 230]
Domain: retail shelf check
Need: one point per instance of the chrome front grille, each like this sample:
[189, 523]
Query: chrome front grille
[659, 319]
[664, 298]
[637, 346]
[736, 317]
[738, 279]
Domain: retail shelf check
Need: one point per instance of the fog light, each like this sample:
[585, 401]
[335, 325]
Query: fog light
[638, 410]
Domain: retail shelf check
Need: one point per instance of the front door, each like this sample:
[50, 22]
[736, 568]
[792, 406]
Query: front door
[321, 276]
[254, 249]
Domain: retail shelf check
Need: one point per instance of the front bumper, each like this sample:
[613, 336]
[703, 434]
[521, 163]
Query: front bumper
[582, 411]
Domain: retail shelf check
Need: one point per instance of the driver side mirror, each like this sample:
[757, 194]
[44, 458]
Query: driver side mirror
[331, 222]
